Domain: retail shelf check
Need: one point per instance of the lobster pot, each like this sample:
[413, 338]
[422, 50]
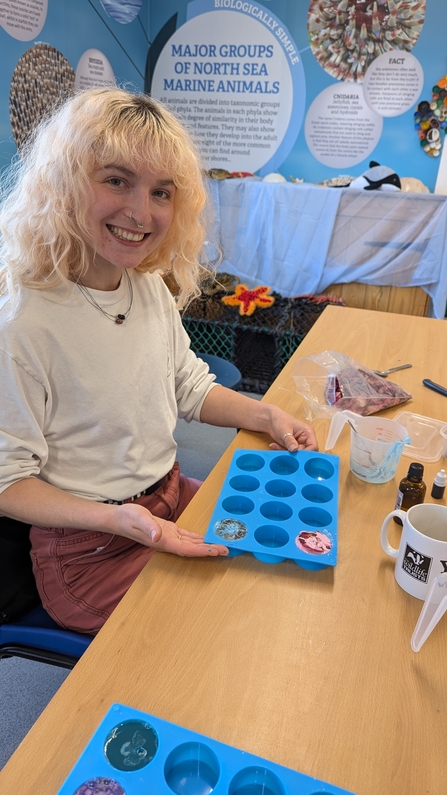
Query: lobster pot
[259, 344]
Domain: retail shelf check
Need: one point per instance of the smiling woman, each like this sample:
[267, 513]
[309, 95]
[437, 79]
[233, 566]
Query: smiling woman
[68, 164]
[95, 364]
[114, 236]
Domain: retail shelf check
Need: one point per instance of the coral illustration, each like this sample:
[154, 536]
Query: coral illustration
[347, 35]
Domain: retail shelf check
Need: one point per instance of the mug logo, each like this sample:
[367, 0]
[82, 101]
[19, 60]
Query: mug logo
[416, 565]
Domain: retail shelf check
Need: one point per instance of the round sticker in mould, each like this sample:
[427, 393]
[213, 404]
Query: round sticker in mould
[131, 745]
[230, 529]
[100, 786]
[315, 543]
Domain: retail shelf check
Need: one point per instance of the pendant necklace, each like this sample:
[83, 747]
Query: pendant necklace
[119, 319]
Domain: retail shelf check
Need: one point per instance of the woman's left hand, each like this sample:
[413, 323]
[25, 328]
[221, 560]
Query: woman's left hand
[230, 409]
[291, 434]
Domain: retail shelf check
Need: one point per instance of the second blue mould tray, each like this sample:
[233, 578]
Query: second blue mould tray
[279, 506]
[134, 753]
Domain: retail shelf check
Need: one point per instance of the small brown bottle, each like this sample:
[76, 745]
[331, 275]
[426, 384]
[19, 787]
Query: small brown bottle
[411, 490]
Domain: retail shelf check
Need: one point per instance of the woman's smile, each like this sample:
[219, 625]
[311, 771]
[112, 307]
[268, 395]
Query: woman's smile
[123, 234]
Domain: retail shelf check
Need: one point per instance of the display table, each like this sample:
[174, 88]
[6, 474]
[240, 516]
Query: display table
[313, 670]
[301, 238]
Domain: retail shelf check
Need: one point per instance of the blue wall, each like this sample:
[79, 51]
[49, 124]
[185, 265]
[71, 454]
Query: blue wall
[399, 146]
[74, 27]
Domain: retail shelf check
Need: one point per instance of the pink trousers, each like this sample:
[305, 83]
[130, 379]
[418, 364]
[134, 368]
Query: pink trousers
[81, 575]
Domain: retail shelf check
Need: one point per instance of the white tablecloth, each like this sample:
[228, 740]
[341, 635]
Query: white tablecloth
[300, 238]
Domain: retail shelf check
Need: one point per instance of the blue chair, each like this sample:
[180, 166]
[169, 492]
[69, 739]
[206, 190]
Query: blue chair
[227, 374]
[37, 637]
[27, 630]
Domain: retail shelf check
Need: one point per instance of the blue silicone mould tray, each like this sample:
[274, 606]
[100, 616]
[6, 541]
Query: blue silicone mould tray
[279, 506]
[132, 753]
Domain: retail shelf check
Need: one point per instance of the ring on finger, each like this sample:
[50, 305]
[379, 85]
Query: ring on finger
[286, 434]
[180, 538]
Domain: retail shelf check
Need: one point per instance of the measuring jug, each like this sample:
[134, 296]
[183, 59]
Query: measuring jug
[376, 445]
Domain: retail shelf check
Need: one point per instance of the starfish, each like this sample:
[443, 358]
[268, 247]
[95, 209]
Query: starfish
[248, 300]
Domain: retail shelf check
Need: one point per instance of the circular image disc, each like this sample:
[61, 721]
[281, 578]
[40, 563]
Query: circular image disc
[315, 543]
[42, 77]
[131, 745]
[122, 11]
[347, 35]
[100, 786]
[230, 529]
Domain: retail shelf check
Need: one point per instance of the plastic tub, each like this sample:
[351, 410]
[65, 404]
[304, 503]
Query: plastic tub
[425, 434]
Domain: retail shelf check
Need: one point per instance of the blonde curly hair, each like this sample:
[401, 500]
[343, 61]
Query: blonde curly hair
[44, 216]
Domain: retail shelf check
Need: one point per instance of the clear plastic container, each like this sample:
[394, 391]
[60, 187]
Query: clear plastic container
[443, 433]
[424, 432]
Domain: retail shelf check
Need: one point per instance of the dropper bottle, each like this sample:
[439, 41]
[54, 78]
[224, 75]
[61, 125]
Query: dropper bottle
[439, 484]
[411, 489]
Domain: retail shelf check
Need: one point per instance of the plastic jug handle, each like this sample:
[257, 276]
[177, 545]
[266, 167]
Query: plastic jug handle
[339, 419]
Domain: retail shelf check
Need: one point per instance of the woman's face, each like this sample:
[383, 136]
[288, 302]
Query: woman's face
[131, 211]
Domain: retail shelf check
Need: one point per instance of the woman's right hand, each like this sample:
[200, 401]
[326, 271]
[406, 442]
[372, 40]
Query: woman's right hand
[137, 523]
[35, 502]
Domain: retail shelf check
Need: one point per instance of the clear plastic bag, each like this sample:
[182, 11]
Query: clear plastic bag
[331, 381]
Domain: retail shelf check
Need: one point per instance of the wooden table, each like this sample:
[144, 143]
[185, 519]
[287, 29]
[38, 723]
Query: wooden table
[313, 670]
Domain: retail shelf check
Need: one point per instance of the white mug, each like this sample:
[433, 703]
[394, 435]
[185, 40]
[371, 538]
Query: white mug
[422, 553]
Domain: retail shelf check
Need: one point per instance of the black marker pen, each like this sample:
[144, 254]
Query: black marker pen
[436, 387]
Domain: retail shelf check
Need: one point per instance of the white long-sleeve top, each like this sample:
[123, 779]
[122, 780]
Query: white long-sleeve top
[91, 406]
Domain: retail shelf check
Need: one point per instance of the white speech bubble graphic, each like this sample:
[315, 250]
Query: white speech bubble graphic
[228, 76]
[393, 83]
[23, 21]
[340, 129]
[93, 70]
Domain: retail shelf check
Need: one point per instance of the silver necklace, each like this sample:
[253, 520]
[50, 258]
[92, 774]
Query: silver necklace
[119, 319]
